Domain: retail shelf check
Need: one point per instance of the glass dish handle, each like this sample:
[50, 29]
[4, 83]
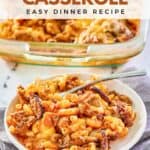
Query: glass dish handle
[14, 47]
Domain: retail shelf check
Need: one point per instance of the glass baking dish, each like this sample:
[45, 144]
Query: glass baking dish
[69, 54]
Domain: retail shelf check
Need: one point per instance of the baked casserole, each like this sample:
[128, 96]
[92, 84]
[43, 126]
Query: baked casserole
[89, 119]
[84, 31]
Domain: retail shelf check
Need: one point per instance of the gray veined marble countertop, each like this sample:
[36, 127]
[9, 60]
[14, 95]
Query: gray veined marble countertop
[12, 74]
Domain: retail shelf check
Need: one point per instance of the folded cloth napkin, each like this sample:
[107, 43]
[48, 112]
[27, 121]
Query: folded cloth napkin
[140, 84]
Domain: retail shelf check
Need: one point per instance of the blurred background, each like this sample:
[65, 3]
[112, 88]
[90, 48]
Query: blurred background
[142, 61]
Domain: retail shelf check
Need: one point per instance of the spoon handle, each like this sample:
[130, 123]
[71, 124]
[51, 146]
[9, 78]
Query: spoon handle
[106, 78]
[124, 75]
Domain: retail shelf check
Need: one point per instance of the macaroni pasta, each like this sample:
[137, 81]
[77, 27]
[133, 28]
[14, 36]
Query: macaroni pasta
[83, 31]
[86, 120]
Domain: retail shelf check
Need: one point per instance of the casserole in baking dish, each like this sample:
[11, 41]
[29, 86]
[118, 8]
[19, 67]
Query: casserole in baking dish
[71, 42]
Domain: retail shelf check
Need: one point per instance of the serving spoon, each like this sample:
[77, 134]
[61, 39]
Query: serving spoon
[106, 78]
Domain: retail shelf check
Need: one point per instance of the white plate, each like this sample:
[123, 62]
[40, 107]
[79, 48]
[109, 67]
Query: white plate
[135, 132]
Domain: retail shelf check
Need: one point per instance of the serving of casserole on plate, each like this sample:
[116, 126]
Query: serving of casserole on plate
[104, 116]
[80, 42]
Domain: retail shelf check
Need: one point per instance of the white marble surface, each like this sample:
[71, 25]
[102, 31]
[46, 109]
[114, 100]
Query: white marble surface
[11, 76]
